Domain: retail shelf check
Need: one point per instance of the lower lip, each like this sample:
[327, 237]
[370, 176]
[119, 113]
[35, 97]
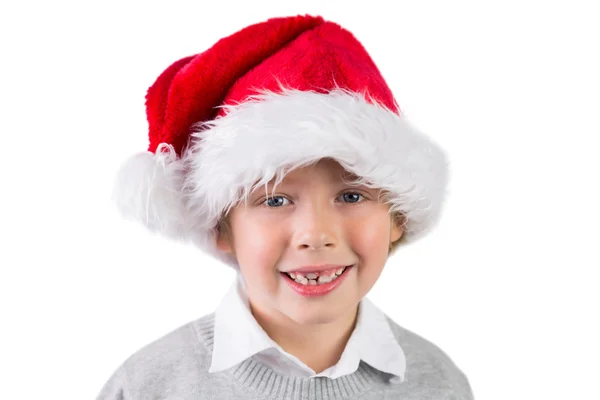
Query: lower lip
[316, 290]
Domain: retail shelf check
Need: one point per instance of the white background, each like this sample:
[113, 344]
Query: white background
[507, 285]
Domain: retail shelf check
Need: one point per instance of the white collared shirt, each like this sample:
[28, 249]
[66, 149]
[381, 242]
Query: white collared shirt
[238, 336]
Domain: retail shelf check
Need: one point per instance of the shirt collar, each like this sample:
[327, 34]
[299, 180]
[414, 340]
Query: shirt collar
[238, 336]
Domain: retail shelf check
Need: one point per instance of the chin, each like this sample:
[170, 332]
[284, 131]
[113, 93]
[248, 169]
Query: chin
[313, 319]
[315, 314]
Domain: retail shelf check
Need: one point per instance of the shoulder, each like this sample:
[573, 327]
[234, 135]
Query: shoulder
[427, 364]
[177, 355]
[174, 347]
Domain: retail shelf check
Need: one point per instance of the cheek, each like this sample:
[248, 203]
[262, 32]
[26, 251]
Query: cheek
[257, 249]
[370, 242]
[370, 237]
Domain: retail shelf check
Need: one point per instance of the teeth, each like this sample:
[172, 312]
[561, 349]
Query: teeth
[313, 279]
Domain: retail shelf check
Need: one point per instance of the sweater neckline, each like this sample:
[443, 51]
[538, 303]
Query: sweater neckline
[264, 381]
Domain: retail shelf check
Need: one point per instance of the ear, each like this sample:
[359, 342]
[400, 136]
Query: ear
[223, 240]
[397, 228]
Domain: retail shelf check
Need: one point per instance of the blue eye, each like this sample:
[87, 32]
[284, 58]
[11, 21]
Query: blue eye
[353, 193]
[272, 201]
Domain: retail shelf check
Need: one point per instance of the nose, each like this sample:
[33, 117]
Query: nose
[316, 226]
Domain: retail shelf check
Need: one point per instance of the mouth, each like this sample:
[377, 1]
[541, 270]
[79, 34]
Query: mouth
[310, 284]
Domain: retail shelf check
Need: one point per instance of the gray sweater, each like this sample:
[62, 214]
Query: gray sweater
[176, 367]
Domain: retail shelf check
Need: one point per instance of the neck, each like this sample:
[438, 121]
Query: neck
[319, 346]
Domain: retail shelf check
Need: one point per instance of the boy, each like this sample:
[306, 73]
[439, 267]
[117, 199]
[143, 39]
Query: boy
[281, 152]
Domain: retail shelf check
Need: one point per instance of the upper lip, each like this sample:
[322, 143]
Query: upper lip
[317, 268]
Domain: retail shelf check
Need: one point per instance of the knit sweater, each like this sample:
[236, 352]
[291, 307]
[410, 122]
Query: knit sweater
[176, 365]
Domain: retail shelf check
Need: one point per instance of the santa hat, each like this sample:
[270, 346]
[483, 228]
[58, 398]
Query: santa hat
[274, 96]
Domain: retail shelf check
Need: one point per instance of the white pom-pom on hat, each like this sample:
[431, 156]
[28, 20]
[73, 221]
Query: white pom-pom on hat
[148, 188]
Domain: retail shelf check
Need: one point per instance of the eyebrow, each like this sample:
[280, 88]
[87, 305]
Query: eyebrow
[346, 176]
[345, 181]
[284, 184]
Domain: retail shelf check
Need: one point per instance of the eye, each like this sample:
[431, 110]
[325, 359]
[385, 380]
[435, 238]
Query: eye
[354, 195]
[271, 200]
[275, 201]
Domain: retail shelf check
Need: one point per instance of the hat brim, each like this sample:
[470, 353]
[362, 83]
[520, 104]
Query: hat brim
[255, 141]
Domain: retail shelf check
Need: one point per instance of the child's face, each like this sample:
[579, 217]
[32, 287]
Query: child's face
[310, 220]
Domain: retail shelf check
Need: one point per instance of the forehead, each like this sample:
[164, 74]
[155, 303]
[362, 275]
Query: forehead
[327, 168]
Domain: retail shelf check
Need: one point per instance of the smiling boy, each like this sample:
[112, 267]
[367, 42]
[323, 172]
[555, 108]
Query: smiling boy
[281, 152]
[319, 222]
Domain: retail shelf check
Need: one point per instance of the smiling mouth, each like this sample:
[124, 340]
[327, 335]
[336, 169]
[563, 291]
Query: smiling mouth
[306, 287]
[316, 279]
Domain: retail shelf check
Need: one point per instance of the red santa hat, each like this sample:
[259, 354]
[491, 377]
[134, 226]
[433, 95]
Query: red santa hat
[274, 96]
